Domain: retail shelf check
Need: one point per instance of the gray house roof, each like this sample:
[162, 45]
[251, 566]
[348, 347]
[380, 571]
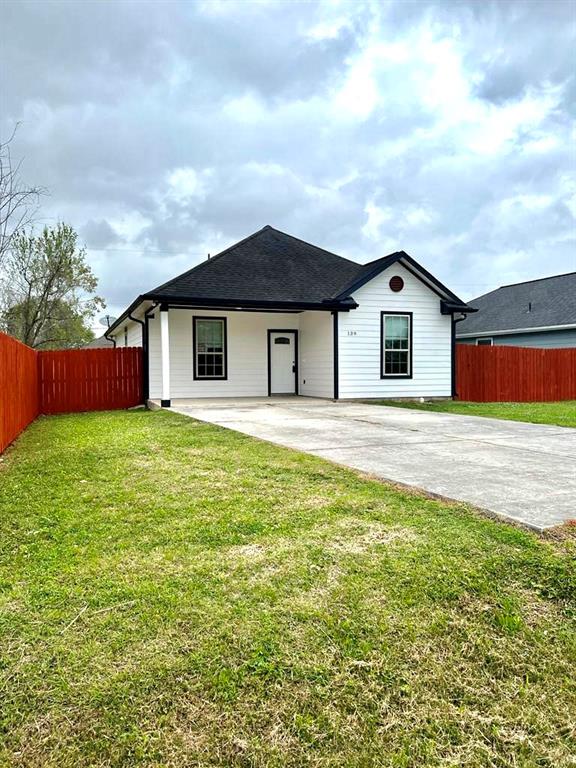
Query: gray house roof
[98, 343]
[545, 303]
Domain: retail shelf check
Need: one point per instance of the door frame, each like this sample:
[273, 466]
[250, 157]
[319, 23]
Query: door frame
[269, 345]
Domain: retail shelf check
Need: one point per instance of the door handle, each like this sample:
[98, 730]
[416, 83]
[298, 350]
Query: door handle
[293, 367]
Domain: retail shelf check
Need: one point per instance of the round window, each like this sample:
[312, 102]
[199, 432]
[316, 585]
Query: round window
[396, 283]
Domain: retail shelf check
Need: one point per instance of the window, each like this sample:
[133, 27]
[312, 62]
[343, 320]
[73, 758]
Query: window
[209, 348]
[281, 340]
[125, 335]
[484, 342]
[396, 344]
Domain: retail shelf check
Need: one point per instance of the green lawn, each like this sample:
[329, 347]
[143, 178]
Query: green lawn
[174, 594]
[562, 413]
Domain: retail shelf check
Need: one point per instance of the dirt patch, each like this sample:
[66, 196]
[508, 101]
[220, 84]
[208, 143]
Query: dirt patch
[355, 536]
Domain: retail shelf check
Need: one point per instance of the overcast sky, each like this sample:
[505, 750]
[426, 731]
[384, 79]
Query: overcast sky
[167, 130]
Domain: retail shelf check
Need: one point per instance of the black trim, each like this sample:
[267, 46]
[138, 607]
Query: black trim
[165, 403]
[395, 375]
[175, 302]
[146, 350]
[335, 352]
[448, 308]
[194, 372]
[144, 354]
[326, 305]
[294, 331]
[453, 354]
[407, 261]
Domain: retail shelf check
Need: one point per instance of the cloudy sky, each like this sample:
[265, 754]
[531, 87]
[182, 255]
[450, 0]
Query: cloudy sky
[167, 130]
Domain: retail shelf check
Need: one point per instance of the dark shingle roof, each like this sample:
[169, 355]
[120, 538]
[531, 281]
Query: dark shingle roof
[537, 303]
[271, 269]
[267, 266]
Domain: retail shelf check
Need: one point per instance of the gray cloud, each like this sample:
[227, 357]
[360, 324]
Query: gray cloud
[166, 131]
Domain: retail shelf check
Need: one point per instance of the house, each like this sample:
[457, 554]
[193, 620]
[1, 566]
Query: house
[98, 343]
[537, 313]
[276, 315]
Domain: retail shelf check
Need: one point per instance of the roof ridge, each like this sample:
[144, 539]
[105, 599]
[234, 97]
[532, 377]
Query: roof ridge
[207, 261]
[535, 280]
[311, 245]
[381, 258]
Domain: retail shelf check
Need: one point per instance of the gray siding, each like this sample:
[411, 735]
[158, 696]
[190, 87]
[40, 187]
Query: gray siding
[542, 340]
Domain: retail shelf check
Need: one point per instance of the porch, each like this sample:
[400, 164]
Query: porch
[209, 353]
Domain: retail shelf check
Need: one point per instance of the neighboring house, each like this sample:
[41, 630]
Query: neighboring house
[99, 342]
[538, 313]
[275, 315]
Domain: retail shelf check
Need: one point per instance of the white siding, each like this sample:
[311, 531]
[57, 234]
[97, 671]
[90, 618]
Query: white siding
[359, 341]
[316, 354]
[247, 338]
[134, 334]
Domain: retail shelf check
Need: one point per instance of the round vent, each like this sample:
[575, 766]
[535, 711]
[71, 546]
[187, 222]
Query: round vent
[396, 283]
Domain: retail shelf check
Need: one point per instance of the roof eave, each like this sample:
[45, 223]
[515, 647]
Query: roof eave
[412, 266]
[450, 307]
[326, 304]
[125, 315]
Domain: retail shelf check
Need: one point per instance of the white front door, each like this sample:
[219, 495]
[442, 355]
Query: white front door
[282, 362]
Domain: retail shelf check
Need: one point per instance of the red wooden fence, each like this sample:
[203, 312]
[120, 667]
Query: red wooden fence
[514, 374]
[19, 397]
[90, 379]
[63, 381]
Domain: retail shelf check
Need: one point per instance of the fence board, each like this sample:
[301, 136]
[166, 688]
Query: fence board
[515, 374]
[90, 379]
[19, 397]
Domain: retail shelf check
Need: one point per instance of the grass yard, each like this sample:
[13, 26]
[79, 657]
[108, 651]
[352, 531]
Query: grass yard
[174, 594]
[563, 414]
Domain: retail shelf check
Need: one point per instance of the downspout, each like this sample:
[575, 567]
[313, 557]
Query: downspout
[454, 321]
[113, 340]
[146, 351]
[144, 365]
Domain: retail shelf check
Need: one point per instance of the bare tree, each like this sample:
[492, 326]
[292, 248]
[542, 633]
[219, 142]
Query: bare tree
[18, 200]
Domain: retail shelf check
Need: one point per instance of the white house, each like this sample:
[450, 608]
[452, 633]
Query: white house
[275, 315]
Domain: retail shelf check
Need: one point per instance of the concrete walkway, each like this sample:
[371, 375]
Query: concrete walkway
[522, 472]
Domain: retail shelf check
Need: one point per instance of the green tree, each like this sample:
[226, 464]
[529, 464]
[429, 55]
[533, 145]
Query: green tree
[48, 291]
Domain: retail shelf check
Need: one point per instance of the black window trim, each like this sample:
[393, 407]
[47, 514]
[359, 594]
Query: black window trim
[194, 355]
[383, 375]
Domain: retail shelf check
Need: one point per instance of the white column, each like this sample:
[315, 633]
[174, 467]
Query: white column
[165, 355]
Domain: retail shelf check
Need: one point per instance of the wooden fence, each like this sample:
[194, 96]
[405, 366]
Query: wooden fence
[63, 381]
[514, 374]
[90, 379]
[19, 396]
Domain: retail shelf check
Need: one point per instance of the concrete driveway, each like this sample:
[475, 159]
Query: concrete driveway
[522, 472]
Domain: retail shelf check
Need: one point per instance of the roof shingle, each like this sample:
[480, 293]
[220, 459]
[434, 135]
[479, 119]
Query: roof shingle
[547, 302]
[267, 266]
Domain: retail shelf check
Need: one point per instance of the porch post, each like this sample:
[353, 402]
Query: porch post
[165, 355]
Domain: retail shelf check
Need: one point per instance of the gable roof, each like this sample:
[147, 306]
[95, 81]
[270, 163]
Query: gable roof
[274, 270]
[369, 271]
[544, 303]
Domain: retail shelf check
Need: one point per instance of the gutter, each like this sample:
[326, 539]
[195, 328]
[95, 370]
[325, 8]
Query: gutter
[176, 301]
[534, 329]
